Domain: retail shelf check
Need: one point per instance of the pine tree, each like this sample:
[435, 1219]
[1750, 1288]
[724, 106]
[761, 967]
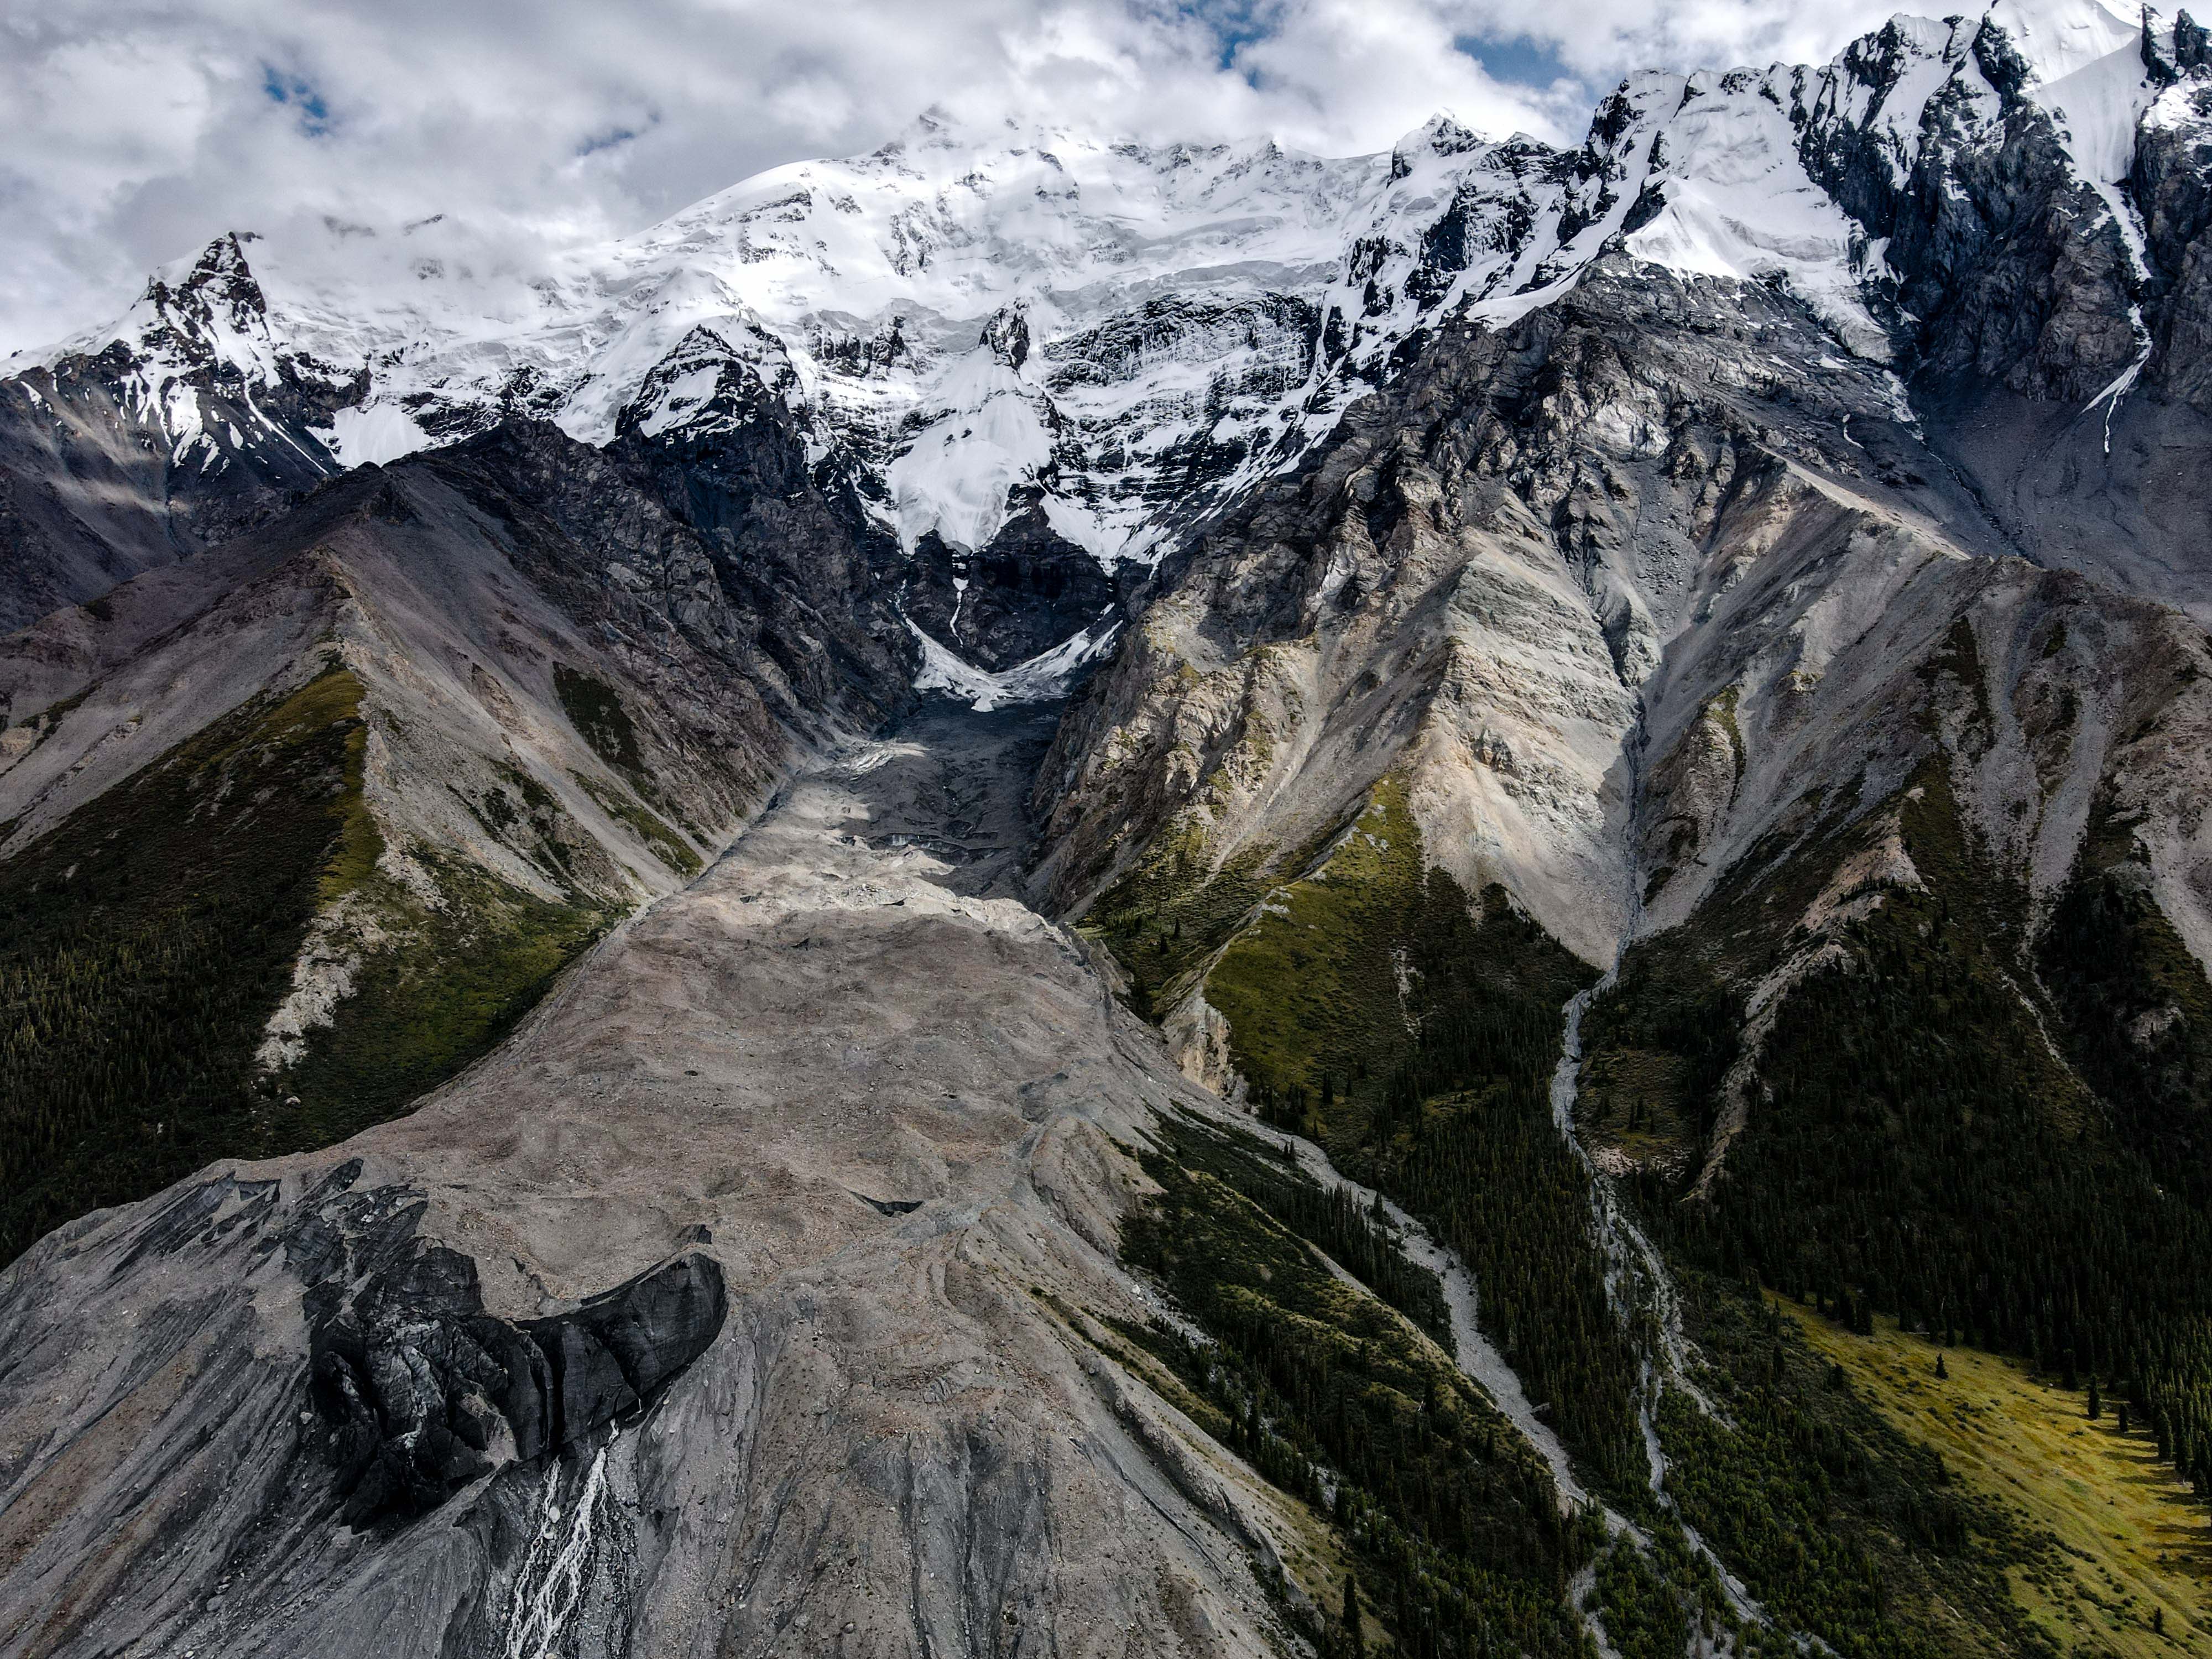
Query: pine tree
[1356, 1643]
[2096, 1402]
[1943, 1372]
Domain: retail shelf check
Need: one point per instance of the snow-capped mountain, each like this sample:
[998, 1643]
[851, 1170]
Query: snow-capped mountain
[960, 317]
[974, 324]
[700, 948]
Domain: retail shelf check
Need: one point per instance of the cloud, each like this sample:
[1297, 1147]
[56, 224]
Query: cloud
[1600, 39]
[139, 129]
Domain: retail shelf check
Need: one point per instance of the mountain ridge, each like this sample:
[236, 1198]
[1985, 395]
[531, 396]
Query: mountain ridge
[1796, 174]
[908, 977]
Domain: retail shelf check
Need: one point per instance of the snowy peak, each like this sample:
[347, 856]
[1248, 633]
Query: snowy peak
[1834, 180]
[214, 312]
[2055, 39]
[937, 224]
[1460, 222]
[709, 385]
[974, 320]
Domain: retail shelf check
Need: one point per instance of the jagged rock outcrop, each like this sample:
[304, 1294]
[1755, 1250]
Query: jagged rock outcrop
[422, 1392]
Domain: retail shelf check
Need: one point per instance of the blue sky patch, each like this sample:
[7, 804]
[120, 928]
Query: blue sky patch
[1235, 25]
[298, 94]
[1520, 60]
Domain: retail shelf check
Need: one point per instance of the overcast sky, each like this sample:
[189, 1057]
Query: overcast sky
[136, 129]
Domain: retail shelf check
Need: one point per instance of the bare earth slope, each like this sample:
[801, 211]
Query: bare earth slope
[882, 1115]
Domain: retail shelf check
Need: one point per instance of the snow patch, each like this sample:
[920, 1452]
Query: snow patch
[2058, 38]
[373, 434]
[680, 398]
[2088, 75]
[1738, 204]
[955, 476]
[1043, 679]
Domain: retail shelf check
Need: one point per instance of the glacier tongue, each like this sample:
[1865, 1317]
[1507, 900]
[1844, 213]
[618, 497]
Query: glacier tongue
[1043, 679]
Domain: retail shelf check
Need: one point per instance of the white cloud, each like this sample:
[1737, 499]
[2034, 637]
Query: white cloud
[139, 129]
[1601, 38]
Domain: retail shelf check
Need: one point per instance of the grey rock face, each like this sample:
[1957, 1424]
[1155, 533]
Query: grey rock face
[420, 1392]
[2004, 256]
[1469, 587]
[2170, 181]
[1028, 590]
[724, 541]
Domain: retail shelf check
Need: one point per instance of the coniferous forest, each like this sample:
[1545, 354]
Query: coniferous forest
[1933, 1146]
[1995, 1164]
[147, 940]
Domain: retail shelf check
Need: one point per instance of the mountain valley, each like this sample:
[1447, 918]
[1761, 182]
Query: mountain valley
[1038, 895]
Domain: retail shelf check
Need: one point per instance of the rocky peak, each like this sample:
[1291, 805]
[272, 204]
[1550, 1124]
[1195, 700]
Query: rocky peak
[216, 303]
[1007, 336]
[1125, 335]
[1440, 134]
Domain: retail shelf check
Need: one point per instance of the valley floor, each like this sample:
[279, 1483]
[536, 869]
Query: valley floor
[2131, 1538]
[974, 1374]
[953, 784]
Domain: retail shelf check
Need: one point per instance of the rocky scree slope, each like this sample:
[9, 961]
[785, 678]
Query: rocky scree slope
[395, 758]
[869, 1377]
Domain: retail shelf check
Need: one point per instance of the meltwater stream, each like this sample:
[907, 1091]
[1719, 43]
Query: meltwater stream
[1475, 1354]
[550, 1587]
[1636, 1282]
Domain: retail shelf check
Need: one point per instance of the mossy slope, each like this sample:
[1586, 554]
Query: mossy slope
[2119, 1555]
[147, 939]
[1839, 1525]
[1986, 1133]
[448, 982]
[1371, 1003]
